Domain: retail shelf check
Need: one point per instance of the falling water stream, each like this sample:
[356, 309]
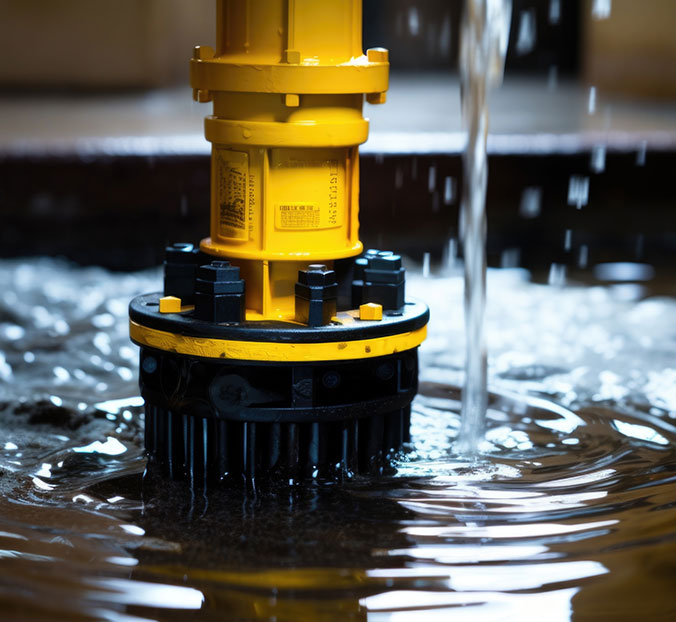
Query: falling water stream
[485, 32]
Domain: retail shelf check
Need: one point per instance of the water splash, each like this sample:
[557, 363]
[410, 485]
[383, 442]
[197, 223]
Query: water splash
[569, 510]
[485, 32]
[601, 9]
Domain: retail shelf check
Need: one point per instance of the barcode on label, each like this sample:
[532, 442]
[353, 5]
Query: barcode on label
[233, 169]
[298, 216]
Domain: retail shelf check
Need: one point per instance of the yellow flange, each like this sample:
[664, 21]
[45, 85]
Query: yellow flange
[275, 352]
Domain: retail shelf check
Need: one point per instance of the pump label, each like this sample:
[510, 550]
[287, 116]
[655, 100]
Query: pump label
[299, 216]
[318, 183]
[232, 193]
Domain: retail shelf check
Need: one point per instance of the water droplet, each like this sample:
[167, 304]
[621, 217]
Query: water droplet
[598, 159]
[104, 320]
[531, 202]
[125, 373]
[591, 104]
[445, 36]
[510, 258]
[398, 178]
[449, 190]
[640, 242]
[554, 11]
[432, 178]
[640, 156]
[111, 447]
[525, 41]
[578, 191]
[426, 265]
[557, 275]
[62, 375]
[601, 9]
[413, 21]
[11, 332]
[450, 257]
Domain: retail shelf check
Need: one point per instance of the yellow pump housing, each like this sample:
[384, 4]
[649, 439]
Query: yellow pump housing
[278, 350]
[287, 81]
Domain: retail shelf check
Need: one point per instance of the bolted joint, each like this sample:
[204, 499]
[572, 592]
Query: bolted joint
[377, 55]
[202, 96]
[180, 263]
[385, 260]
[316, 295]
[317, 275]
[291, 100]
[203, 52]
[376, 98]
[219, 293]
[218, 271]
[382, 280]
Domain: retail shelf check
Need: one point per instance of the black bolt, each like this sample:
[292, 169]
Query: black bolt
[179, 252]
[179, 271]
[316, 295]
[149, 364]
[230, 392]
[380, 278]
[386, 260]
[218, 271]
[385, 371]
[219, 293]
[331, 379]
[316, 275]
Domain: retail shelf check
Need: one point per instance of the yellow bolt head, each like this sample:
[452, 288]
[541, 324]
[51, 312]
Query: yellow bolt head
[291, 100]
[292, 57]
[203, 52]
[203, 96]
[170, 304]
[377, 55]
[376, 98]
[371, 311]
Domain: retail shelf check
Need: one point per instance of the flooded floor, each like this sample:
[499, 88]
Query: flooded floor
[570, 513]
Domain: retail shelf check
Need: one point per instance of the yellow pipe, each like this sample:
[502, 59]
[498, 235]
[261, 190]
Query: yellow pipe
[287, 81]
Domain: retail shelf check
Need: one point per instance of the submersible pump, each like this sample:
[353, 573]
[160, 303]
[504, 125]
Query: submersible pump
[279, 347]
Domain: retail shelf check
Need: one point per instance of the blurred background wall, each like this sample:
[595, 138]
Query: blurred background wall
[103, 159]
[118, 44]
[95, 44]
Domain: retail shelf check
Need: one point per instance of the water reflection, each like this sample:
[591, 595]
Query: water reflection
[568, 509]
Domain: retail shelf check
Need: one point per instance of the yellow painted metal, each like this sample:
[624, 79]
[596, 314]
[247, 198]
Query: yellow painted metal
[371, 311]
[275, 352]
[170, 304]
[287, 80]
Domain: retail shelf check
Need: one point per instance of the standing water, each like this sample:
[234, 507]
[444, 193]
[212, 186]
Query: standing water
[570, 515]
[485, 32]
